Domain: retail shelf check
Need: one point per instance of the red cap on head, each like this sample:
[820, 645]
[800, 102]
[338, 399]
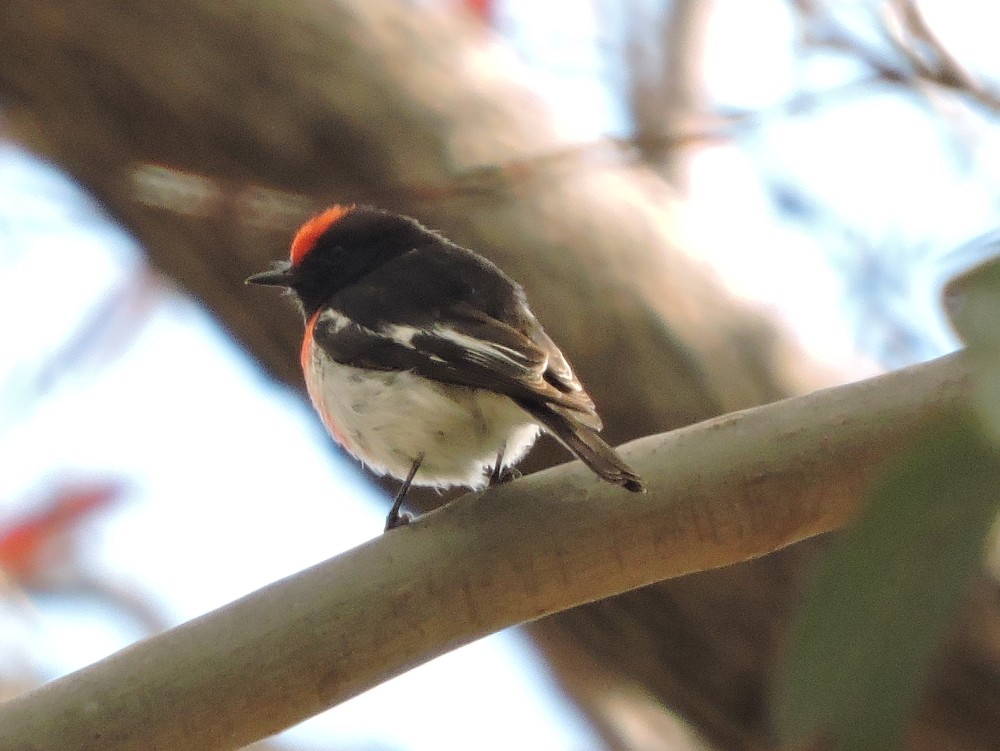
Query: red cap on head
[309, 233]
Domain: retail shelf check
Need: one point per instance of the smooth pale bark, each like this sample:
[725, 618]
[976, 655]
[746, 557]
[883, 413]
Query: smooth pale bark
[520, 551]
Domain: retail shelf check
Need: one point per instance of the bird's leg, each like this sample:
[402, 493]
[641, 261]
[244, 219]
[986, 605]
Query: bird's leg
[496, 476]
[395, 519]
[499, 474]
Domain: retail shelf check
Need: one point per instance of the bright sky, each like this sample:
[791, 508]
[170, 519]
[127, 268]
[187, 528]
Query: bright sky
[183, 414]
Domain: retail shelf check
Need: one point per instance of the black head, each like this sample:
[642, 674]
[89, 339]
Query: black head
[336, 248]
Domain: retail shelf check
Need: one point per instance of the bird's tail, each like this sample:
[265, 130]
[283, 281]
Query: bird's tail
[587, 446]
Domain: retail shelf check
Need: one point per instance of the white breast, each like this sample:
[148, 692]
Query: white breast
[387, 419]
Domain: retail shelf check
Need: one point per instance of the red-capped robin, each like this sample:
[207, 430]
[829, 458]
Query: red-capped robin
[423, 358]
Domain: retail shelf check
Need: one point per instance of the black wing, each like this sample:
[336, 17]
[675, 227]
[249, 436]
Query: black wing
[450, 315]
[464, 346]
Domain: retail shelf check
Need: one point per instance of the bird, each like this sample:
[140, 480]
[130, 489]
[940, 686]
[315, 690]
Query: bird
[423, 359]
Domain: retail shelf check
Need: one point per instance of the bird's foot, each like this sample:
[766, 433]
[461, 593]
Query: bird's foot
[504, 475]
[397, 519]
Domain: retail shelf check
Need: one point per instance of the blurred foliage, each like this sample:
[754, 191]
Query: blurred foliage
[973, 303]
[884, 597]
[864, 641]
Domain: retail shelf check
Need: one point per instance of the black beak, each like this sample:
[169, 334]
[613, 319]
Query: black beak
[275, 278]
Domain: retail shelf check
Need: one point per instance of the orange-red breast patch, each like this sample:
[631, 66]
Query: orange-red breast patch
[313, 388]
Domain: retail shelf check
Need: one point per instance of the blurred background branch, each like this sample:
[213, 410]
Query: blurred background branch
[210, 131]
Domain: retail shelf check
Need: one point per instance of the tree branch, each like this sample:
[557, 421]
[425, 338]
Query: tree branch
[389, 102]
[721, 491]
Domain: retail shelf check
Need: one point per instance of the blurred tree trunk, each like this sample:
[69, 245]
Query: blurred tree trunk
[263, 112]
[664, 59]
